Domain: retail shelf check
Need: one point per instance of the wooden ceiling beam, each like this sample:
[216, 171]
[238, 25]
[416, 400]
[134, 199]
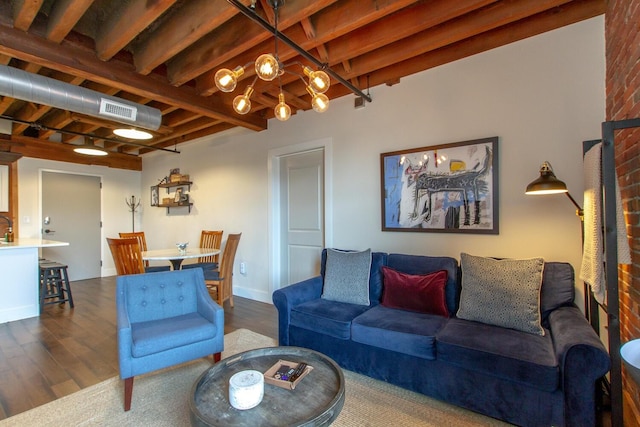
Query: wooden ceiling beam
[538, 24]
[84, 64]
[64, 15]
[400, 27]
[119, 29]
[469, 25]
[24, 12]
[192, 21]
[232, 39]
[36, 148]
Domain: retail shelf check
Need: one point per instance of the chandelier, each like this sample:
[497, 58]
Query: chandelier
[268, 68]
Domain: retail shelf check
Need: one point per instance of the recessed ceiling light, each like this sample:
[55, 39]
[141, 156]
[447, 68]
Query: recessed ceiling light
[132, 133]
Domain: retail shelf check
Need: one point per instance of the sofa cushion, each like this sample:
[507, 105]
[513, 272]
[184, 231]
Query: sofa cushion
[159, 335]
[346, 276]
[326, 317]
[415, 292]
[398, 330]
[502, 292]
[505, 353]
[558, 287]
[420, 264]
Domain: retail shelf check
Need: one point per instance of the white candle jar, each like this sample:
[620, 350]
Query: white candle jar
[246, 389]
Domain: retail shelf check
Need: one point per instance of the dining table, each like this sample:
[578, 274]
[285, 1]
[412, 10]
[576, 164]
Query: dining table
[175, 256]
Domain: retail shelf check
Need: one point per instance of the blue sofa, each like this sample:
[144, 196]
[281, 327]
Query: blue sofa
[518, 377]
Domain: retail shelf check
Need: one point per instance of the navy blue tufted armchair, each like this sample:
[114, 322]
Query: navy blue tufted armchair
[165, 319]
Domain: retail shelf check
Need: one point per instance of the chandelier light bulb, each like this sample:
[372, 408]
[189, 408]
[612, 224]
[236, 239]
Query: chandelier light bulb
[241, 103]
[226, 80]
[282, 110]
[267, 67]
[318, 80]
[319, 101]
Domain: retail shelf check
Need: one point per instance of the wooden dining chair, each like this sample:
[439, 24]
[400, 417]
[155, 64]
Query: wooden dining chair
[210, 239]
[142, 242]
[220, 282]
[127, 256]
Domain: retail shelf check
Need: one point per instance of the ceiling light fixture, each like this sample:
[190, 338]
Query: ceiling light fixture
[268, 67]
[132, 133]
[90, 149]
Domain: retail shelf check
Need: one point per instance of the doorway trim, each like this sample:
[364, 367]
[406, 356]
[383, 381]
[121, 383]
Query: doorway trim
[274, 157]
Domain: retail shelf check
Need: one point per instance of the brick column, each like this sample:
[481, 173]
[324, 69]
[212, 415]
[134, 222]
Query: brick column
[622, 31]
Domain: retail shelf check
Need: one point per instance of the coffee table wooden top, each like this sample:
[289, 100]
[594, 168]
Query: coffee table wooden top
[316, 401]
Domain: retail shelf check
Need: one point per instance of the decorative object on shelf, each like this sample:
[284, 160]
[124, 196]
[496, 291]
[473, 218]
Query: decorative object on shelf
[449, 188]
[182, 247]
[155, 195]
[135, 204]
[268, 67]
[178, 195]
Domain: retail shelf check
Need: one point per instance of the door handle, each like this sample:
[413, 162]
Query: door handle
[47, 231]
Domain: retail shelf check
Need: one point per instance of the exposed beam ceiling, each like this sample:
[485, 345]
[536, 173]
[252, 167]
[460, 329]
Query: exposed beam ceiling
[165, 53]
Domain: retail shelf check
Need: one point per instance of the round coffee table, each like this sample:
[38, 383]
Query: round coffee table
[316, 401]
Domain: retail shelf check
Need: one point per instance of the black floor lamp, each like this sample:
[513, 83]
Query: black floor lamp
[547, 183]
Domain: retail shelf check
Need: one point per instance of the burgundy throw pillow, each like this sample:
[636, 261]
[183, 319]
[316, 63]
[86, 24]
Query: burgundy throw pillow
[424, 294]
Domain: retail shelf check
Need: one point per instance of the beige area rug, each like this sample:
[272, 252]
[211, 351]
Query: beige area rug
[161, 399]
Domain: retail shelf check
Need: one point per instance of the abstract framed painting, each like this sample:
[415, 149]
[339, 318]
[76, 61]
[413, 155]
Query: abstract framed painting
[448, 188]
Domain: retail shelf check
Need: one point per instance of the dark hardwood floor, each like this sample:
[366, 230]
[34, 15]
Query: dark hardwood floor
[65, 350]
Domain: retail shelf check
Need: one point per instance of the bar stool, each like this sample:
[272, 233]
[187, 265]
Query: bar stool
[54, 284]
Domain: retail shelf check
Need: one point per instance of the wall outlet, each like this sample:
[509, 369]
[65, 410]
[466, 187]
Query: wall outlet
[243, 268]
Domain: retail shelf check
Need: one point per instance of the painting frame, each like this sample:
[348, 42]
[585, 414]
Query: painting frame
[447, 188]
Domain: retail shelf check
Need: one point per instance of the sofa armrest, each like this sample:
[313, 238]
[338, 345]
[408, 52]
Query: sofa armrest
[582, 358]
[286, 298]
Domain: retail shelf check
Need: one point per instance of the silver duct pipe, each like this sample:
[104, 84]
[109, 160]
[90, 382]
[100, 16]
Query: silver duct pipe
[19, 84]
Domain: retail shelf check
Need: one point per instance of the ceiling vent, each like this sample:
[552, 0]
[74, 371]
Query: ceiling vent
[19, 84]
[115, 109]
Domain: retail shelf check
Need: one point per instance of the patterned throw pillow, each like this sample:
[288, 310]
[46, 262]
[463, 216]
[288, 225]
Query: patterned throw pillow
[346, 277]
[502, 292]
[415, 292]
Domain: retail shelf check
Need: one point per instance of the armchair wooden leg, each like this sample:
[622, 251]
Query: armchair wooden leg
[128, 391]
[217, 357]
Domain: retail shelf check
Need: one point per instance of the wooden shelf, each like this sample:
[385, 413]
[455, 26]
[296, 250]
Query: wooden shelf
[175, 184]
[175, 205]
[169, 185]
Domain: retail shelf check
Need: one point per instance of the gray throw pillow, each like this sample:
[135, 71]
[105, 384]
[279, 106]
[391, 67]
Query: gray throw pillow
[502, 292]
[346, 277]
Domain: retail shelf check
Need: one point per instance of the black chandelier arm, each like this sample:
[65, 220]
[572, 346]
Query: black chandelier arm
[249, 13]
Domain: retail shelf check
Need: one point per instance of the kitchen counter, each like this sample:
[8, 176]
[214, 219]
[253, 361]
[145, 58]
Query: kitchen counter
[20, 277]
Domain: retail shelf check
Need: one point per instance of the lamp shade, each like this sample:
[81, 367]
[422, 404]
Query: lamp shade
[132, 133]
[89, 149]
[547, 183]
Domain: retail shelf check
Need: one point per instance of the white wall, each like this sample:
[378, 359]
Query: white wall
[117, 185]
[542, 96]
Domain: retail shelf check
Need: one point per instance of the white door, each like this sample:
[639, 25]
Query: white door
[301, 215]
[71, 213]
